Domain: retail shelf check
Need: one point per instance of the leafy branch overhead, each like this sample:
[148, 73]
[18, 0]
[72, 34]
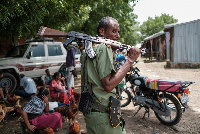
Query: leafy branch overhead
[22, 18]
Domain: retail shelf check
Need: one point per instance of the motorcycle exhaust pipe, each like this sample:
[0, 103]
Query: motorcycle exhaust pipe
[160, 108]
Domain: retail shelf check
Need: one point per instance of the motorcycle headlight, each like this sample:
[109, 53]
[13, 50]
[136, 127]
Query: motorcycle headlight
[137, 82]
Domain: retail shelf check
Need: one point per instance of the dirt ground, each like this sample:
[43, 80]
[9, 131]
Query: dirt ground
[190, 121]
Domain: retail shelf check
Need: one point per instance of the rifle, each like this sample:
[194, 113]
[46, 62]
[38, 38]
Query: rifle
[87, 39]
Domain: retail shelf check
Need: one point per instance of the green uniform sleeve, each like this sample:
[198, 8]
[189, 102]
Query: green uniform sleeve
[105, 61]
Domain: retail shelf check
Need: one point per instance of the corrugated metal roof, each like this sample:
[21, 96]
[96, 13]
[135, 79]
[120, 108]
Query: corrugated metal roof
[168, 26]
[154, 35]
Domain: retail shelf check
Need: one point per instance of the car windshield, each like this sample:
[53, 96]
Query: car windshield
[18, 51]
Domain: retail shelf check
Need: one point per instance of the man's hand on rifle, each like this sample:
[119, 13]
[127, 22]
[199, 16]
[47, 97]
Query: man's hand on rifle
[133, 54]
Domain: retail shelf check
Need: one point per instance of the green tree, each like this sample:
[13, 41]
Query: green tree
[155, 25]
[120, 10]
[22, 18]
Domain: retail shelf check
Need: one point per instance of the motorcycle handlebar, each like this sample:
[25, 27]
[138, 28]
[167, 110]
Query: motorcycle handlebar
[188, 82]
[135, 63]
[132, 69]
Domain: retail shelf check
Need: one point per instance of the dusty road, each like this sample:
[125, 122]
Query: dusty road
[190, 122]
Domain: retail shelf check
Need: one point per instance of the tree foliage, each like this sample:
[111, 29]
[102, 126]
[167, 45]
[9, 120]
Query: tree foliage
[120, 10]
[155, 25]
[23, 18]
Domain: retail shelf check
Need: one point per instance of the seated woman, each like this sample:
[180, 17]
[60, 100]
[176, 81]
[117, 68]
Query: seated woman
[34, 117]
[58, 90]
[46, 79]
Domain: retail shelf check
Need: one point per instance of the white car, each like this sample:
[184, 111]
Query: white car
[31, 59]
[77, 59]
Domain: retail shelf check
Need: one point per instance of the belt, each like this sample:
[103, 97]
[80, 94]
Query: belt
[97, 107]
[94, 110]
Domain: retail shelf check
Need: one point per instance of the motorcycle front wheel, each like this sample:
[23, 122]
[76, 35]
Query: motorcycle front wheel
[175, 108]
[125, 97]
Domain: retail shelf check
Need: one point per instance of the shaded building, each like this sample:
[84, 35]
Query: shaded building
[184, 48]
[178, 44]
[155, 46]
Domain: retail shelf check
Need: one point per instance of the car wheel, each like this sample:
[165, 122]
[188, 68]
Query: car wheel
[8, 81]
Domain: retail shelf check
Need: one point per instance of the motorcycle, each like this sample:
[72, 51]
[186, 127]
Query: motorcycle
[167, 98]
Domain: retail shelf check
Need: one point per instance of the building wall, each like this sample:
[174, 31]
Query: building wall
[155, 47]
[186, 42]
[4, 47]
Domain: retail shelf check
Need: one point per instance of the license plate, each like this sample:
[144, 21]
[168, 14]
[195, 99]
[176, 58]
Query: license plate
[184, 98]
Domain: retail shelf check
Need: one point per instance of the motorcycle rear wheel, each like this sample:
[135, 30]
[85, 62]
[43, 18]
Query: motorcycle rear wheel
[175, 107]
[125, 97]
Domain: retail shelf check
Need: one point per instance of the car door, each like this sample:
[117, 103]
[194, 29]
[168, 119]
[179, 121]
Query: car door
[56, 56]
[35, 61]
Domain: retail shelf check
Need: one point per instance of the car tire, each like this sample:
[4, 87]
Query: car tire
[9, 81]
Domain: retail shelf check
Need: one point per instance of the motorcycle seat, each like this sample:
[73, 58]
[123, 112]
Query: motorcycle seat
[163, 85]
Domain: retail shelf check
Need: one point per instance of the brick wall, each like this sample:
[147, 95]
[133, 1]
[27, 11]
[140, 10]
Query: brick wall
[4, 47]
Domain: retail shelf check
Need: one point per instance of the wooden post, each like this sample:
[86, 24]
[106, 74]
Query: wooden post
[151, 43]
